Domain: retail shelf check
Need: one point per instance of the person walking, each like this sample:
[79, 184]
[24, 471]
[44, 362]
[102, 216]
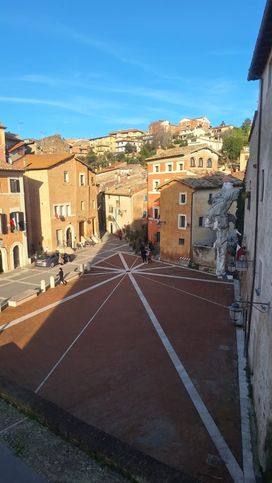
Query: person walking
[61, 277]
[143, 253]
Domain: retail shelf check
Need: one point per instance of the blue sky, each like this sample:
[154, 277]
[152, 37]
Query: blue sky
[85, 68]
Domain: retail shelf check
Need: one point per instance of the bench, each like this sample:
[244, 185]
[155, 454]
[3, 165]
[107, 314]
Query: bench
[22, 297]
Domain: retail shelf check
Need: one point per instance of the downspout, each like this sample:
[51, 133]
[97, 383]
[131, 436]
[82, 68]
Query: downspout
[247, 335]
[191, 226]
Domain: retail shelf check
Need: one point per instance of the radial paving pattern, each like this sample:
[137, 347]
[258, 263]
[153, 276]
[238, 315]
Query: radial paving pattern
[144, 352]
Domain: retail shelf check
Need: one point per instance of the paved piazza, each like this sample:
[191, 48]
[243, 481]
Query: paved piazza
[144, 352]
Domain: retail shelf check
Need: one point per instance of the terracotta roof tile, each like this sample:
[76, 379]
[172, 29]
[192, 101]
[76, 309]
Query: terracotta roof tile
[45, 161]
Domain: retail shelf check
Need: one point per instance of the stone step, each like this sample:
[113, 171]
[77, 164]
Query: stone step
[22, 297]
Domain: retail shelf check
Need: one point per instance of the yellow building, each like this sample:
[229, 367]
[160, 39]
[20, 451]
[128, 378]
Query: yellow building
[126, 207]
[184, 205]
[61, 201]
[102, 145]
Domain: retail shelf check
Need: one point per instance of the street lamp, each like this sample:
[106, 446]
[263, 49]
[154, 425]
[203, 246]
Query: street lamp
[236, 310]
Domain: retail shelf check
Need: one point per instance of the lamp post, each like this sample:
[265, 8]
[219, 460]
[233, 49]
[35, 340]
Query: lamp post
[236, 310]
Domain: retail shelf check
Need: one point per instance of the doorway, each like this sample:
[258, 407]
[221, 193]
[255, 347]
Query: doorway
[1, 263]
[16, 256]
[69, 237]
[81, 230]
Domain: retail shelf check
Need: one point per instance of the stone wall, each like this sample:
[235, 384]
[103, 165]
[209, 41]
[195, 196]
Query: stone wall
[204, 256]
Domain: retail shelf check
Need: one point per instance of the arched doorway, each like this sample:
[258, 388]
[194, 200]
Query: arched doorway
[69, 241]
[16, 256]
[3, 260]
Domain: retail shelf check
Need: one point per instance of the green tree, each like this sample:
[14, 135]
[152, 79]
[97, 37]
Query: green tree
[91, 157]
[246, 127]
[233, 141]
[129, 148]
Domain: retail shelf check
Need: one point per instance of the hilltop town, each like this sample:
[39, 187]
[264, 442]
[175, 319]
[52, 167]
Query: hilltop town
[135, 296]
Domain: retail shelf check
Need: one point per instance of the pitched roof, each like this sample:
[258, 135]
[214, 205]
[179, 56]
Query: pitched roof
[206, 182]
[263, 45]
[45, 161]
[181, 151]
[16, 146]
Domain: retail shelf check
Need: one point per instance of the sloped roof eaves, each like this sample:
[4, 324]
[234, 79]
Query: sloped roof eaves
[263, 45]
[205, 182]
[183, 152]
[36, 162]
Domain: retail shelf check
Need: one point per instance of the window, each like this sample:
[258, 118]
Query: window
[156, 213]
[158, 237]
[182, 222]
[144, 214]
[81, 179]
[181, 241]
[192, 162]
[180, 166]
[16, 221]
[59, 237]
[118, 203]
[14, 185]
[200, 163]
[92, 181]
[3, 224]
[156, 168]
[68, 210]
[169, 167]
[210, 199]
[82, 205]
[156, 184]
[145, 197]
[182, 198]
[209, 163]
[61, 210]
[262, 186]
[66, 177]
[110, 209]
[200, 221]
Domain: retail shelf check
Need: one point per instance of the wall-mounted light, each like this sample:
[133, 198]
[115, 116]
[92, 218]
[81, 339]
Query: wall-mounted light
[236, 310]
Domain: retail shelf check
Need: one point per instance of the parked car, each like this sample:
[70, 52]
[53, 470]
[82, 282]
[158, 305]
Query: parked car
[47, 260]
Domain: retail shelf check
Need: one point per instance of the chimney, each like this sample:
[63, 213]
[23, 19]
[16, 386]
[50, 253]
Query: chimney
[2, 144]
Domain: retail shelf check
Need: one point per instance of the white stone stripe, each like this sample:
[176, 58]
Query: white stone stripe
[76, 338]
[217, 438]
[123, 261]
[184, 278]
[244, 410]
[54, 304]
[184, 291]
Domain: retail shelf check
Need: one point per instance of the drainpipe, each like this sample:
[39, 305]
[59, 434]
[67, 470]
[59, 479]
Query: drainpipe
[247, 335]
[191, 226]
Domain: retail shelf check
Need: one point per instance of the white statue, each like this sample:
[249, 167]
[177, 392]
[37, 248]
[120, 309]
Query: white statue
[218, 219]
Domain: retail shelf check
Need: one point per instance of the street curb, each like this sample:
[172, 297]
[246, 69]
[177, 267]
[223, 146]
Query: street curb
[107, 449]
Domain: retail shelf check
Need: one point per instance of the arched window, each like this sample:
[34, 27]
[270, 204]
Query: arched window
[209, 163]
[192, 162]
[200, 163]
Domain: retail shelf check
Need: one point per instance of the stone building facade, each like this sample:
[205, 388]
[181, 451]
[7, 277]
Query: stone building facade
[60, 200]
[169, 164]
[256, 281]
[13, 235]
